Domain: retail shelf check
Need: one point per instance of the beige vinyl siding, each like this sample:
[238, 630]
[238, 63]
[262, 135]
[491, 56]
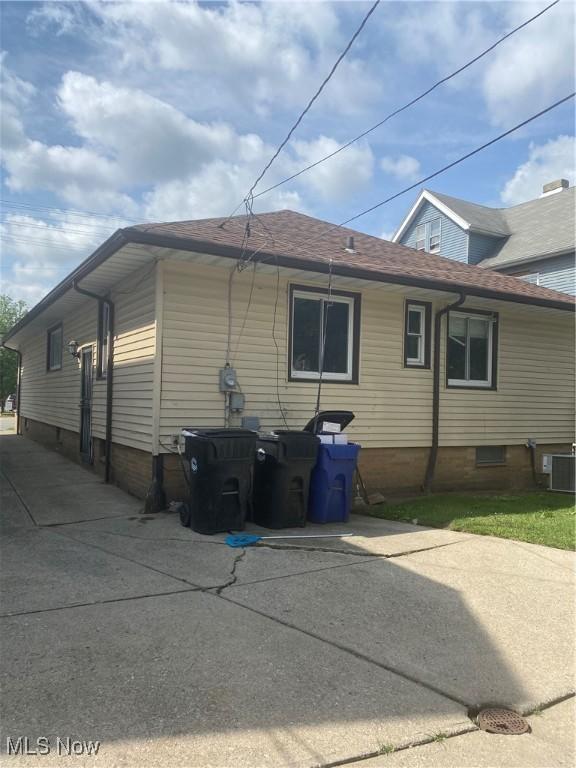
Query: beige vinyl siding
[53, 397]
[134, 352]
[535, 385]
[392, 403]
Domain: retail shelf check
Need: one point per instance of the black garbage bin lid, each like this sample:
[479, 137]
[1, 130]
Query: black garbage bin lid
[338, 417]
[217, 432]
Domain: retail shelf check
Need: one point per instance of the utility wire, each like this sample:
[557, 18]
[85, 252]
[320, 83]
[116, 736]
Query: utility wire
[455, 162]
[324, 83]
[407, 105]
[71, 211]
[436, 173]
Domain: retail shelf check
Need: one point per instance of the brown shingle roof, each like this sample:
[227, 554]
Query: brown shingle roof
[300, 238]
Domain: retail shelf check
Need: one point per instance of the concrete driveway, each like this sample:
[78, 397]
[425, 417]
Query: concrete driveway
[172, 649]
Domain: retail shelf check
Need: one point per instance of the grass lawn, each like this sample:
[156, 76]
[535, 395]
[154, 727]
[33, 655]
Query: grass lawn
[540, 518]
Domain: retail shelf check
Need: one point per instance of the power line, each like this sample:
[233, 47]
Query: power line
[324, 83]
[70, 211]
[408, 104]
[50, 229]
[456, 162]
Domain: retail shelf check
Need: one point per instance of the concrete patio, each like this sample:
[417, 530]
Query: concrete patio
[172, 649]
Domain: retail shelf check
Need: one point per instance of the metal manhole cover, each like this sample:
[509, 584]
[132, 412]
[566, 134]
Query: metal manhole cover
[497, 720]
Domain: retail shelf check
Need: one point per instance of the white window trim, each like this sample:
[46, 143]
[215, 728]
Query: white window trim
[475, 382]
[530, 274]
[326, 376]
[421, 359]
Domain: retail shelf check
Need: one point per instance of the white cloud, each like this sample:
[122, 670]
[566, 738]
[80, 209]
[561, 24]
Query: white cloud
[42, 251]
[215, 191]
[546, 162]
[15, 95]
[533, 69]
[403, 167]
[255, 55]
[388, 234]
[339, 177]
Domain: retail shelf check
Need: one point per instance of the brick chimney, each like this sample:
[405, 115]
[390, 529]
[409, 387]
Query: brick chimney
[554, 186]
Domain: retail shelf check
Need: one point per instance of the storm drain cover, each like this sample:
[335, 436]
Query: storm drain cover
[497, 720]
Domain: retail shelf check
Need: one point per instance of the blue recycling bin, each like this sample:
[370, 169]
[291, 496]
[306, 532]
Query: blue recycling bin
[332, 480]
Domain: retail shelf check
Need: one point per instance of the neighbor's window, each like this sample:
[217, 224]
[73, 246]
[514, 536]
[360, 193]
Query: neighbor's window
[321, 322]
[421, 237]
[417, 335]
[103, 337]
[490, 454]
[435, 227]
[532, 277]
[54, 349]
[471, 343]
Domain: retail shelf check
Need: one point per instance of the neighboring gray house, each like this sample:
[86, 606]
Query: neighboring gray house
[534, 240]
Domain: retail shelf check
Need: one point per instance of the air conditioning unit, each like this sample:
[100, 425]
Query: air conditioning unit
[562, 476]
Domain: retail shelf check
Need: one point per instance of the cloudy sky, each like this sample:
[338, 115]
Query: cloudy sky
[165, 111]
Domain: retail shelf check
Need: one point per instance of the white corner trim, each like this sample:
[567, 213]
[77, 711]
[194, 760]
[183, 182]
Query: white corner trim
[425, 195]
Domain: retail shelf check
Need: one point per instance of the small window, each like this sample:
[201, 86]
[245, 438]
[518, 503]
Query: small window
[435, 231]
[103, 338]
[54, 349]
[471, 350]
[533, 277]
[490, 455]
[417, 334]
[421, 237]
[319, 323]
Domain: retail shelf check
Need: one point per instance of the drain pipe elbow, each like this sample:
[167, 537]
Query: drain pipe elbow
[433, 455]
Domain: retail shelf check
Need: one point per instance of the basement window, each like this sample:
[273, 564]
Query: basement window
[54, 348]
[490, 455]
[323, 322]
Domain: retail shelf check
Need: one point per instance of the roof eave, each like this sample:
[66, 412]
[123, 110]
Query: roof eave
[130, 235]
[227, 251]
[103, 252]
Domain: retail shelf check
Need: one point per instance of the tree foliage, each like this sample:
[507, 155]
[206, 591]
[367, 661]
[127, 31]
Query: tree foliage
[11, 310]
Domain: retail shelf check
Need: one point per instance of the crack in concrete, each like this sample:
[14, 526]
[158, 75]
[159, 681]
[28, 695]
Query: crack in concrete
[20, 499]
[128, 559]
[233, 575]
[347, 649]
[104, 601]
[403, 746]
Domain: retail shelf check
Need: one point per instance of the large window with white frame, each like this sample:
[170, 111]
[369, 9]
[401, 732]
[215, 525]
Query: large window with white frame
[471, 349]
[417, 334]
[324, 330]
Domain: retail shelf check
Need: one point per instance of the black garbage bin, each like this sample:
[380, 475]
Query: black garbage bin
[284, 462]
[218, 464]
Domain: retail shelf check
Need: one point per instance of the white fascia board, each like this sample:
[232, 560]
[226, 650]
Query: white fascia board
[425, 195]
